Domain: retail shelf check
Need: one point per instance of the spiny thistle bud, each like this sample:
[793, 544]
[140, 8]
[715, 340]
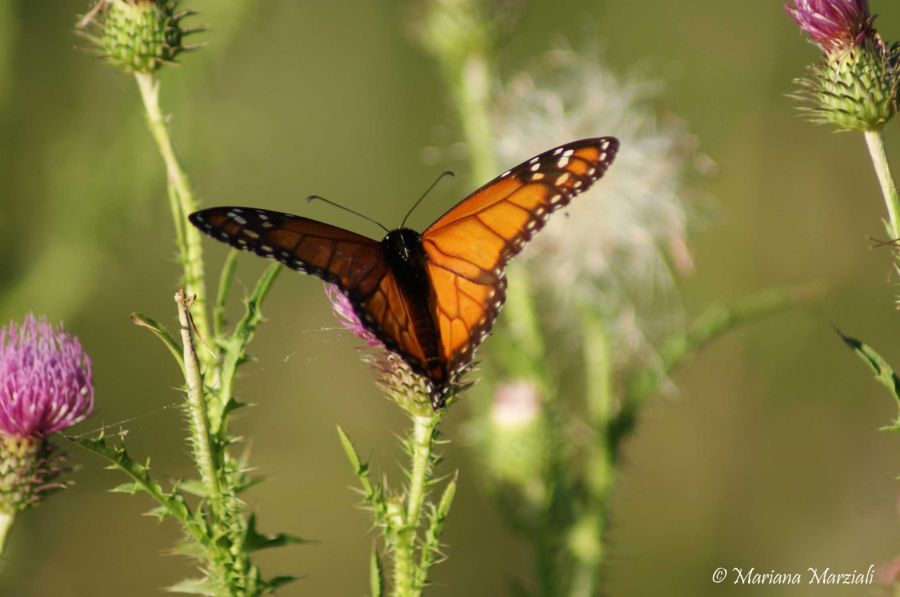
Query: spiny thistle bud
[45, 386]
[29, 471]
[855, 85]
[516, 443]
[139, 35]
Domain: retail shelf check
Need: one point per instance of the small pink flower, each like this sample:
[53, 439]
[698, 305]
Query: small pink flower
[45, 379]
[346, 315]
[516, 403]
[835, 25]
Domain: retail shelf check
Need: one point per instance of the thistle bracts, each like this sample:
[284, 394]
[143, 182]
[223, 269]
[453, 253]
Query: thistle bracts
[855, 89]
[29, 471]
[854, 86]
[139, 35]
[403, 386]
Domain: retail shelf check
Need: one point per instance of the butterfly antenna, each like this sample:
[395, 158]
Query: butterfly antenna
[354, 212]
[428, 190]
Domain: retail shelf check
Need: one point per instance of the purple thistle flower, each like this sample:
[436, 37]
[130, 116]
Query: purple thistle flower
[835, 25]
[346, 315]
[45, 379]
[400, 383]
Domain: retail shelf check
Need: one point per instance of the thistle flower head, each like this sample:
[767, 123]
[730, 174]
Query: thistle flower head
[835, 25]
[617, 250]
[138, 35]
[345, 314]
[45, 386]
[45, 380]
[515, 442]
[401, 384]
[855, 86]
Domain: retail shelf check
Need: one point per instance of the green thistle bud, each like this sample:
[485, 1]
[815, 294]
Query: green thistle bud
[29, 469]
[139, 35]
[856, 89]
[517, 445]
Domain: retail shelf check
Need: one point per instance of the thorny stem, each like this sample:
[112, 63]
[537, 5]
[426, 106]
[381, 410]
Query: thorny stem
[472, 89]
[875, 142]
[181, 201]
[424, 427]
[586, 547]
[6, 520]
[201, 442]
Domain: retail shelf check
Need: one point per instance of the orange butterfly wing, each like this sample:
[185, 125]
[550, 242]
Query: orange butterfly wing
[469, 246]
[387, 313]
[353, 262]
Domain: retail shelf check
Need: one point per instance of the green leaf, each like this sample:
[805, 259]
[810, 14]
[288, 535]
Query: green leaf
[192, 487]
[682, 345]
[189, 549]
[196, 586]
[255, 541]
[129, 488]
[350, 451]
[161, 332]
[376, 574]
[431, 546]
[225, 280]
[273, 584]
[159, 513]
[248, 483]
[234, 349]
[884, 373]
[173, 502]
[446, 502]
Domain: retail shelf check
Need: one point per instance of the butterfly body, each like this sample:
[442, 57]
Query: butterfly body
[407, 261]
[432, 298]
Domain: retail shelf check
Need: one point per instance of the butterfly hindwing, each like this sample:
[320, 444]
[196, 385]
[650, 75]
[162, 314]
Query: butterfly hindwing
[469, 246]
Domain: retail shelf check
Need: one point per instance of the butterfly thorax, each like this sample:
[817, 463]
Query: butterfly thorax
[406, 259]
[403, 249]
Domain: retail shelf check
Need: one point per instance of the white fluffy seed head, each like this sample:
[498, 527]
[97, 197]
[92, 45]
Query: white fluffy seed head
[625, 231]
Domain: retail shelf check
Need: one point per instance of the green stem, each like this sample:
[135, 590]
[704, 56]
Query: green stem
[524, 328]
[586, 545]
[405, 571]
[6, 520]
[472, 88]
[182, 202]
[201, 441]
[235, 347]
[875, 142]
[682, 345]
[226, 278]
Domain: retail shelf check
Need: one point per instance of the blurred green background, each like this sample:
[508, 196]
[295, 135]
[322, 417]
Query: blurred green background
[769, 456]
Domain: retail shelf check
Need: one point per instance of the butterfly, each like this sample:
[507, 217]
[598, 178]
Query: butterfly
[431, 298]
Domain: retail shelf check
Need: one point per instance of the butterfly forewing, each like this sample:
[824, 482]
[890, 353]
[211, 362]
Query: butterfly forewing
[352, 261]
[469, 246]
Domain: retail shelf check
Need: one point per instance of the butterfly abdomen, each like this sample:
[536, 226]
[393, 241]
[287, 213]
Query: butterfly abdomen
[406, 259]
